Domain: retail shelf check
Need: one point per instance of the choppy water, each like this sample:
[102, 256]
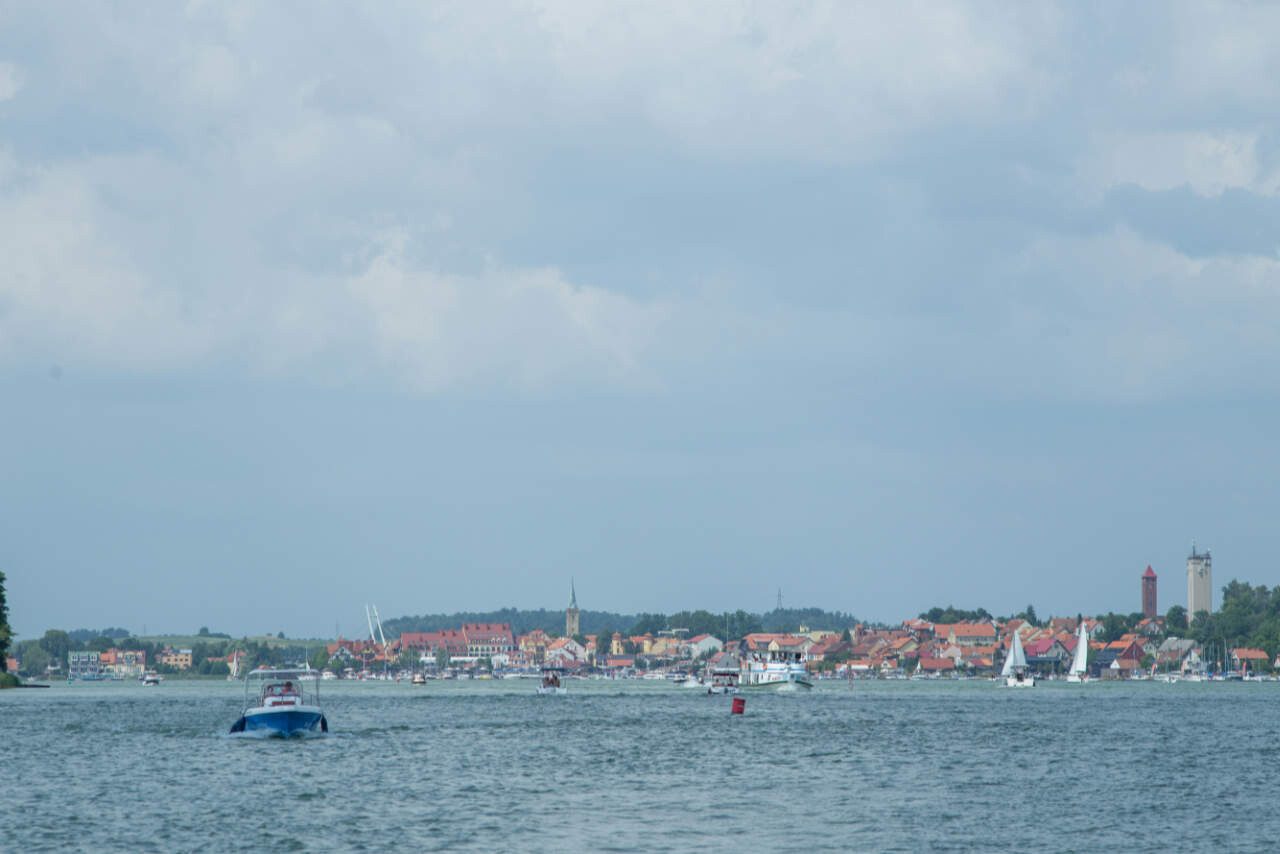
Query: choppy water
[898, 766]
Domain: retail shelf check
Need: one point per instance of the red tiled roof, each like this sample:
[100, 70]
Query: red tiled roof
[937, 664]
[1148, 573]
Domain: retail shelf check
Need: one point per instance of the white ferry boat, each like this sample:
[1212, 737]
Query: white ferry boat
[777, 670]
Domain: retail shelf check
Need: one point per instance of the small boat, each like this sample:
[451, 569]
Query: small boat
[777, 670]
[1080, 663]
[151, 678]
[279, 702]
[418, 679]
[1015, 671]
[551, 681]
[723, 681]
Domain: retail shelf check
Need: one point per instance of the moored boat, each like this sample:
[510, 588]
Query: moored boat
[281, 702]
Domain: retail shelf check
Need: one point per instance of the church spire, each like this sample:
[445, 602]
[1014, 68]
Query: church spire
[573, 595]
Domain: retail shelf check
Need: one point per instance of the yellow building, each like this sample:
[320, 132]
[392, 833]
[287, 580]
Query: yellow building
[178, 659]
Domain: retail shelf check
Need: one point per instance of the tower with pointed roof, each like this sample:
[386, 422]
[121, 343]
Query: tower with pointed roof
[1149, 592]
[571, 613]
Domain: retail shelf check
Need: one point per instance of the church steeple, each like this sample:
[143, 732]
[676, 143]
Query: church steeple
[571, 613]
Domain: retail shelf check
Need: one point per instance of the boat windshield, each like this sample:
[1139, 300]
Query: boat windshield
[281, 688]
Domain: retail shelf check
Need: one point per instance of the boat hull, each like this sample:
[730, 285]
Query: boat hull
[1015, 682]
[297, 720]
[780, 685]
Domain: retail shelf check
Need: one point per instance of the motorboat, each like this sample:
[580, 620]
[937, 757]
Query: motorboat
[723, 681]
[1015, 672]
[552, 681]
[777, 670]
[151, 678]
[281, 702]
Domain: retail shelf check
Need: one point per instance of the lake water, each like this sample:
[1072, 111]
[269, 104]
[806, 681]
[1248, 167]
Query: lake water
[633, 766]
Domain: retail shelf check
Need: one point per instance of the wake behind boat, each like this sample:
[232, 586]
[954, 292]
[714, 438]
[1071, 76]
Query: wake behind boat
[281, 702]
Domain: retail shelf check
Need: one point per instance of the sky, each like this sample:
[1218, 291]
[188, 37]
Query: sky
[437, 306]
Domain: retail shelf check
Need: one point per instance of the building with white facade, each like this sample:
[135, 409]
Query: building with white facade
[1199, 582]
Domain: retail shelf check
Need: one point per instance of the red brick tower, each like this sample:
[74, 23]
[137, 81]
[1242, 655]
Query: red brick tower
[1148, 593]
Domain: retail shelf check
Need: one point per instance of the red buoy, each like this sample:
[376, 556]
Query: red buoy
[739, 706]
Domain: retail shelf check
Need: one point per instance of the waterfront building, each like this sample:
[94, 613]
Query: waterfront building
[703, 644]
[1199, 582]
[534, 644]
[83, 664]
[123, 663]
[452, 641]
[1149, 593]
[571, 613]
[488, 639]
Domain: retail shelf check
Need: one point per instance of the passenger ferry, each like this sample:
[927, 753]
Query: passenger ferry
[776, 669]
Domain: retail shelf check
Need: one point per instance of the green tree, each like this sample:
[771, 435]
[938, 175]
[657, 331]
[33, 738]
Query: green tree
[5, 633]
[604, 639]
[57, 643]
[1113, 626]
[101, 643]
[1176, 619]
[34, 659]
[442, 658]
[649, 624]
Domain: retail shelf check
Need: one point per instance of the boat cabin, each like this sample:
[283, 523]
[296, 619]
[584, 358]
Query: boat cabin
[280, 694]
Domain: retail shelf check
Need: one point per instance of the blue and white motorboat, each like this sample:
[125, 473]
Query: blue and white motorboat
[281, 702]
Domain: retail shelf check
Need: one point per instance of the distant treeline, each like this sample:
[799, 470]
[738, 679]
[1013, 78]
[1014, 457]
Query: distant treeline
[86, 635]
[726, 625]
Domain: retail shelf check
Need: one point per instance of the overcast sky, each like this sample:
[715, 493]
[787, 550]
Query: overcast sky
[436, 306]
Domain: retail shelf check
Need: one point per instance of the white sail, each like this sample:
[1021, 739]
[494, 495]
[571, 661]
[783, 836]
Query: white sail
[1081, 661]
[1017, 659]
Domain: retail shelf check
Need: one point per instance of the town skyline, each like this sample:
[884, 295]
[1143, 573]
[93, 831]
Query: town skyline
[1149, 604]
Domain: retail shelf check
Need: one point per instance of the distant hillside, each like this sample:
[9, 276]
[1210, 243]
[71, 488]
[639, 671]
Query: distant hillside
[86, 635]
[734, 625]
[521, 621]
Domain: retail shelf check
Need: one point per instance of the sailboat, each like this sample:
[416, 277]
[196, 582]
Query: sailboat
[1080, 663]
[1015, 672]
